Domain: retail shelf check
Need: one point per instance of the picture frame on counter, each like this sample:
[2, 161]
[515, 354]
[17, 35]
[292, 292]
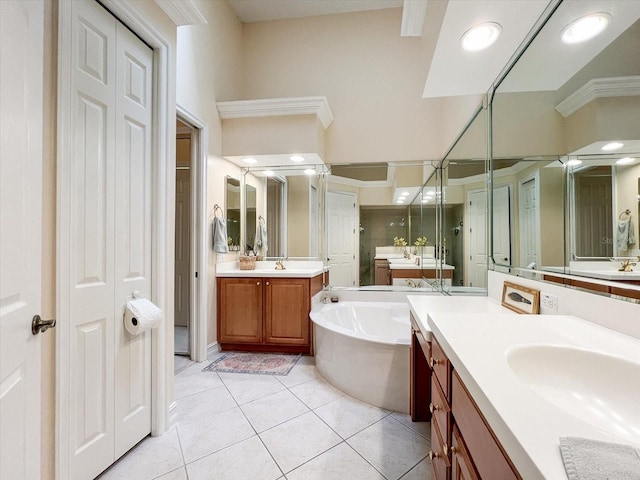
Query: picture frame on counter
[520, 299]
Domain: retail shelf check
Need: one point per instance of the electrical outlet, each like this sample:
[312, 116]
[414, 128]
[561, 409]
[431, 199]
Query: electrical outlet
[548, 303]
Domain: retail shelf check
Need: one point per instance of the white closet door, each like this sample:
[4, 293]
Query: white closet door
[133, 235]
[86, 255]
[104, 241]
[21, 61]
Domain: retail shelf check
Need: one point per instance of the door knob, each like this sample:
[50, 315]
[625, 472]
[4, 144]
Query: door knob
[38, 325]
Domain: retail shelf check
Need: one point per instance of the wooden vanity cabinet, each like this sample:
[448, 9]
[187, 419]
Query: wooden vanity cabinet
[419, 375]
[268, 314]
[381, 266]
[463, 445]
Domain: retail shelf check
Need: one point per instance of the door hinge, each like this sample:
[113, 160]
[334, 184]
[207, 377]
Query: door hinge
[470, 257]
[354, 257]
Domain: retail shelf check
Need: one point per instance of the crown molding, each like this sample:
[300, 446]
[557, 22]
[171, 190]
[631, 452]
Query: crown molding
[182, 12]
[274, 107]
[599, 88]
[413, 13]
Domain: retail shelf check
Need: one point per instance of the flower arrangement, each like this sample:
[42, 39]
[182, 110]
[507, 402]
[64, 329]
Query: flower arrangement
[420, 241]
[399, 242]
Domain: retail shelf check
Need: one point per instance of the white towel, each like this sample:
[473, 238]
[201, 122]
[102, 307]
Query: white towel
[220, 235]
[260, 244]
[586, 459]
[625, 235]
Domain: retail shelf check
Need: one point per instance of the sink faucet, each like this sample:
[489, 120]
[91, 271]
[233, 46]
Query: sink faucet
[280, 265]
[406, 254]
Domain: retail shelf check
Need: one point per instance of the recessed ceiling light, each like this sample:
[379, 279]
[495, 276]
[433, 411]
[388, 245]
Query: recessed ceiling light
[310, 171]
[585, 28]
[574, 162]
[426, 200]
[611, 146]
[405, 194]
[480, 36]
[400, 200]
[269, 173]
[250, 160]
[625, 161]
[296, 158]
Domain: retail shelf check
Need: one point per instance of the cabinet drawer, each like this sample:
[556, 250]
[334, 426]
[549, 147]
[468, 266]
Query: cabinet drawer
[440, 411]
[422, 341]
[461, 465]
[485, 451]
[441, 368]
[439, 461]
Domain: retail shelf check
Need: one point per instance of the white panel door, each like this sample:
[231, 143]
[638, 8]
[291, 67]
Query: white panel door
[104, 248]
[183, 253]
[86, 246]
[132, 235]
[21, 62]
[528, 217]
[341, 222]
[502, 225]
[477, 214]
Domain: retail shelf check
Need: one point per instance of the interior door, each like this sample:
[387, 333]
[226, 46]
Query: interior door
[477, 235]
[341, 221]
[528, 216]
[183, 256]
[502, 224]
[21, 63]
[104, 248]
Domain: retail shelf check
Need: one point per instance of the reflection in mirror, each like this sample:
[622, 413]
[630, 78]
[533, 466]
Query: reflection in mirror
[250, 217]
[233, 212]
[561, 101]
[461, 193]
[292, 212]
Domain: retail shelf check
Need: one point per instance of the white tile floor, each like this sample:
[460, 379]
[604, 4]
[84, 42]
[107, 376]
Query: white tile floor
[262, 427]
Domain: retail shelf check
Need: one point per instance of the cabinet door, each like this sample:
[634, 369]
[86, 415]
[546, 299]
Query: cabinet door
[382, 272]
[240, 310]
[461, 466]
[287, 311]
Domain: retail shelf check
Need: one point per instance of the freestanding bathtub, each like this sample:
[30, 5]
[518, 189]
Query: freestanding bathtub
[362, 348]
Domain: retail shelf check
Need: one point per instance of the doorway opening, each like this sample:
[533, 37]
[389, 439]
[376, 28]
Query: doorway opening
[190, 275]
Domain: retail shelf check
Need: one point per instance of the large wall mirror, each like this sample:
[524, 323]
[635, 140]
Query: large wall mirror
[232, 207]
[462, 219]
[288, 208]
[565, 140]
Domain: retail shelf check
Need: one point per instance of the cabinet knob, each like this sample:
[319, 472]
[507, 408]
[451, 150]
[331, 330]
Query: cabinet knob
[445, 449]
[257, 283]
[433, 408]
[266, 283]
[433, 454]
[433, 362]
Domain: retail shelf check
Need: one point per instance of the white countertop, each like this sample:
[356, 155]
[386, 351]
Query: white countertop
[425, 266]
[422, 305]
[527, 425]
[293, 269]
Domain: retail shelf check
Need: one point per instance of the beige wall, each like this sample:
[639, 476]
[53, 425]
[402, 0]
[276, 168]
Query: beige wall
[208, 69]
[298, 216]
[372, 77]
[628, 197]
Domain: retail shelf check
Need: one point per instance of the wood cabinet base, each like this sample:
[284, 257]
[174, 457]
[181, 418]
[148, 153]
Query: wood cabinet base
[250, 347]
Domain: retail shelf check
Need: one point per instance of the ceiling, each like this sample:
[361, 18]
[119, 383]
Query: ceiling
[264, 10]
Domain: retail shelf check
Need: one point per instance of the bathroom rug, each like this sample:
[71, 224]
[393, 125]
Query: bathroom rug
[256, 363]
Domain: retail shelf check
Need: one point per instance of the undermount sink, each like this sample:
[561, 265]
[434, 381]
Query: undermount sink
[597, 388]
[402, 260]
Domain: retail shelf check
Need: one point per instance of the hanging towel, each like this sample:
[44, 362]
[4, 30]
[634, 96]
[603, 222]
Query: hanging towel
[220, 235]
[586, 459]
[625, 235]
[261, 239]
